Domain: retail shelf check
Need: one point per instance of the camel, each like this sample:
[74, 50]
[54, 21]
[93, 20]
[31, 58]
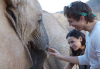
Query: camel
[23, 37]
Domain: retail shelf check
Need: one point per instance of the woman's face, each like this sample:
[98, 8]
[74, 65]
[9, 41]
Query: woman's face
[75, 43]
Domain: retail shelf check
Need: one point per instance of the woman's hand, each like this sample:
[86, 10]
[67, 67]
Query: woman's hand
[54, 52]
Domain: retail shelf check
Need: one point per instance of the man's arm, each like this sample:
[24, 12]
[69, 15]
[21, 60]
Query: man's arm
[71, 59]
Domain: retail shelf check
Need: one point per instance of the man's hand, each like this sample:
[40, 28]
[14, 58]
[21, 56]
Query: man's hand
[54, 52]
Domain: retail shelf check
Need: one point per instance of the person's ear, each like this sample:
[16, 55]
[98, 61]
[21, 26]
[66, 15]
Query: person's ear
[82, 18]
[80, 38]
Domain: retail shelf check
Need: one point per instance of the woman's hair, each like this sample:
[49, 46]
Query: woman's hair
[77, 9]
[76, 34]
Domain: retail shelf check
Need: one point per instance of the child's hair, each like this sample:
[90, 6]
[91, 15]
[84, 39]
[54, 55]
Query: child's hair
[77, 9]
[76, 34]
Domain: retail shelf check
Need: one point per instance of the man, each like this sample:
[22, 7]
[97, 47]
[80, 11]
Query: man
[80, 16]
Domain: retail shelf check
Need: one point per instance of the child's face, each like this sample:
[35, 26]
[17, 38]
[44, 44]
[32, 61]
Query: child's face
[75, 43]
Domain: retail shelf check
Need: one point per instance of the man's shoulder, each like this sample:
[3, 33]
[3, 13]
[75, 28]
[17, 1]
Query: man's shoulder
[96, 27]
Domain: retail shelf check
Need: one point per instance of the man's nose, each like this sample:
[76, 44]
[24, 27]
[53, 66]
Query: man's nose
[70, 24]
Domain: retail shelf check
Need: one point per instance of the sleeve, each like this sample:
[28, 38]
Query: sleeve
[97, 45]
[83, 59]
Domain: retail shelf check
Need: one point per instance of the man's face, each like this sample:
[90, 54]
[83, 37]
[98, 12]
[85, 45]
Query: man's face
[76, 24]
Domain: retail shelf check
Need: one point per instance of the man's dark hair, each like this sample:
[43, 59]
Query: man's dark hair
[78, 7]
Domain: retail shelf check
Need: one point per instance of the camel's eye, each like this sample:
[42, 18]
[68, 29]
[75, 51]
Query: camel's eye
[40, 19]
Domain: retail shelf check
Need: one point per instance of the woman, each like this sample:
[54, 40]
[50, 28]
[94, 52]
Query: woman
[76, 40]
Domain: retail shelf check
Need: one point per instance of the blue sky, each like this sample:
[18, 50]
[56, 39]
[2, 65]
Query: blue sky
[53, 6]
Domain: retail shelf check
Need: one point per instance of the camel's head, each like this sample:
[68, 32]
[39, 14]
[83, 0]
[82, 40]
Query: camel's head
[25, 16]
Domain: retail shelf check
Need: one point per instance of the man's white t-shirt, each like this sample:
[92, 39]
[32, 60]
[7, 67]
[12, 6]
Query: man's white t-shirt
[92, 51]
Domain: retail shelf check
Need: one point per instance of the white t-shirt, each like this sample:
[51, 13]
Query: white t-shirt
[92, 51]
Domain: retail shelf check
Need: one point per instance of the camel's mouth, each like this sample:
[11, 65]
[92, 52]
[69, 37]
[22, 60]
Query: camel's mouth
[31, 46]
